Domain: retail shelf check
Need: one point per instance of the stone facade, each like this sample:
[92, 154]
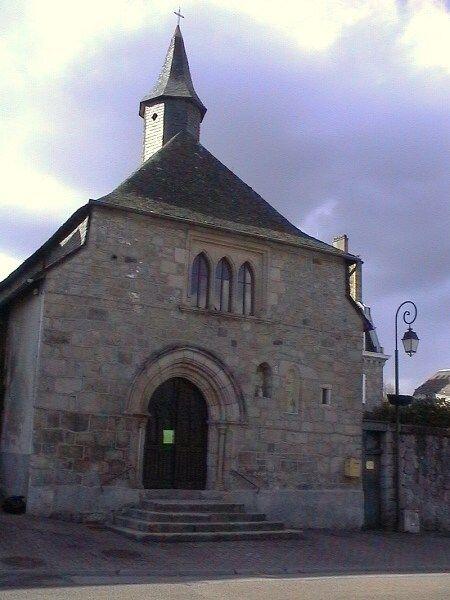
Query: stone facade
[117, 312]
[20, 382]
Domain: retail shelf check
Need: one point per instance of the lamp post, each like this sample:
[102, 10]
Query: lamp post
[410, 343]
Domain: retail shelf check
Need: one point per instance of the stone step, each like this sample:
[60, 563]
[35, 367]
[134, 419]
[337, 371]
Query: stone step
[216, 536]
[191, 506]
[189, 517]
[212, 495]
[181, 527]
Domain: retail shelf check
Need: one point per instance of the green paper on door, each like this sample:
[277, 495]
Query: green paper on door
[168, 436]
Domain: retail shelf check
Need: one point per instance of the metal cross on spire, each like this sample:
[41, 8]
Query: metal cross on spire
[179, 15]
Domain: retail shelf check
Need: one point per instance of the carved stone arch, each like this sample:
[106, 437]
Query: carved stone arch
[250, 263]
[222, 394]
[228, 259]
[232, 262]
[208, 258]
[231, 265]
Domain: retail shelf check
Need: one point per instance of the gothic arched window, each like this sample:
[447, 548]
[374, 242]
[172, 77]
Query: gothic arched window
[223, 285]
[246, 290]
[200, 281]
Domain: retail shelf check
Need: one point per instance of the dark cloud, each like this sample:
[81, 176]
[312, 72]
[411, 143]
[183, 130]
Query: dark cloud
[358, 129]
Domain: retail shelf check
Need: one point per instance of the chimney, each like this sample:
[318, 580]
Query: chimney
[341, 242]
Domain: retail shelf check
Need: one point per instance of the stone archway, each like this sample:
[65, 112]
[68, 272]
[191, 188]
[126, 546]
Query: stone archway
[226, 407]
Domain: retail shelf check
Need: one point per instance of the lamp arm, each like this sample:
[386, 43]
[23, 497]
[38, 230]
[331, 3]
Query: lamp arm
[409, 316]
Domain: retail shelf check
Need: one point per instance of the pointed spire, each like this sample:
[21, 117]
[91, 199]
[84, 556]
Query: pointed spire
[175, 79]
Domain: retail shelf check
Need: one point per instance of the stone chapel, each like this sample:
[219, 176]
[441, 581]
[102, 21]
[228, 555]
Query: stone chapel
[179, 338]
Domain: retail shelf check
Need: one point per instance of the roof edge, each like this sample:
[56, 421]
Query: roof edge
[58, 236]
[368, 326]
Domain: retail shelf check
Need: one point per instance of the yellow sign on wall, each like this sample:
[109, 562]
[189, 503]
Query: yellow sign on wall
[352, 468]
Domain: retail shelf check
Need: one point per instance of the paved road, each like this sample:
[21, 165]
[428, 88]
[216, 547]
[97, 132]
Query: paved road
[31, 547]
[348, 587]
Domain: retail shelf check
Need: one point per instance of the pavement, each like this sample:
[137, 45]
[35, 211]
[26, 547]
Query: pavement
[37, 553]
[354, 587]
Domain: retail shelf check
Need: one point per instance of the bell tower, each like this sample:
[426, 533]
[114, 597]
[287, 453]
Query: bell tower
[173, 105]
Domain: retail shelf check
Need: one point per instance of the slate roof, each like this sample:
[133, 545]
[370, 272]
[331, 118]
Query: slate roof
[185, 181]
[175, 80]
[439, 383]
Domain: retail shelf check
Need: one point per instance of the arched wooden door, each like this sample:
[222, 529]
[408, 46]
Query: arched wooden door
[176, 437]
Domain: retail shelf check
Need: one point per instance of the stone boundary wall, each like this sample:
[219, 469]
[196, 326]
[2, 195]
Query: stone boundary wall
[424, 472]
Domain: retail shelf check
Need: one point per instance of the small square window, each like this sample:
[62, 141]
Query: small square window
[325, 398]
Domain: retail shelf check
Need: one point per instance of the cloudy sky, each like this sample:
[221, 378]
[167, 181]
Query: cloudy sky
[335, 111]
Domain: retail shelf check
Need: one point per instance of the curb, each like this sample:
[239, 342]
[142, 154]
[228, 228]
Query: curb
[30, 578]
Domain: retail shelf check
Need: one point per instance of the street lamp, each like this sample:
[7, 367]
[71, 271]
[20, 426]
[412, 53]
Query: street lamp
[410, 342]
[409, 339]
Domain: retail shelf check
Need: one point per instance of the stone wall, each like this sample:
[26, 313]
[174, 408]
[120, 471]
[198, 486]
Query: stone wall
[122, 298]
[425, 460]
[21, 362]
[424, 472]
[373, 370]
[81, 448]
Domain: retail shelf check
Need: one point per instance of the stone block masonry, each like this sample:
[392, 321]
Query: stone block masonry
[424, 475]
[79, 448]
[123, 299]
